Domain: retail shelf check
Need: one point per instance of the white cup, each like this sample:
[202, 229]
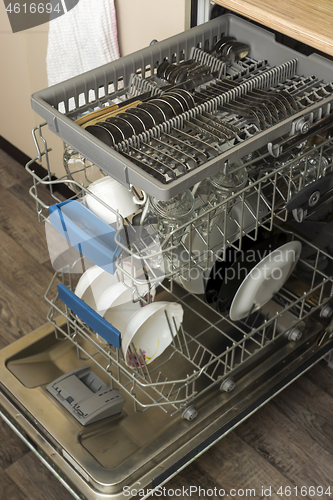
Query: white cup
[115, 196]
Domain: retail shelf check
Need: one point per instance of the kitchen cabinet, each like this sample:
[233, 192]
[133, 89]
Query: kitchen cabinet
[304, 20]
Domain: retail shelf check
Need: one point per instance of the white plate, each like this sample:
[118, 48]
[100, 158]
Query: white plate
[264, 280]
[87, 279]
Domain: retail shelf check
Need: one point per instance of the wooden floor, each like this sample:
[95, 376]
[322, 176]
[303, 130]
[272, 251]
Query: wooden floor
[289, 442]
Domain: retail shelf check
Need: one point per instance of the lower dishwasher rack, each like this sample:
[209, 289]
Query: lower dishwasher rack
[209, 351]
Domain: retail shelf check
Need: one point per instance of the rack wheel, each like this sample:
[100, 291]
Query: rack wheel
[228, 385]
[295, 334]
[190, 413]
[326, 311]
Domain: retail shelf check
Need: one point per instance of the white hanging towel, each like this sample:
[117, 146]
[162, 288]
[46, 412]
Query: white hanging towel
[82, 39]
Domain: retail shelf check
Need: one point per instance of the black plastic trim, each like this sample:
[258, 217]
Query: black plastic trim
[194, 13]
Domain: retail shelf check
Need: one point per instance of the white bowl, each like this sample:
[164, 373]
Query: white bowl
[151, 332]
[116, 295]
[119, 316]
[95, 281]
[116, 196]
[116, 304]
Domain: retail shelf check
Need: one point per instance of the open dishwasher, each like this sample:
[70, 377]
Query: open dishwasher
[101, 413]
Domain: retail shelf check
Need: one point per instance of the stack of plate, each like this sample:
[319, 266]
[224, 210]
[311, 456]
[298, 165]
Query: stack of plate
[146, 329]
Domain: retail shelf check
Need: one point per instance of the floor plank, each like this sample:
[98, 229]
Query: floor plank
[23, 274]
[10, 489]
[192, 477]
[233, 464]
[35, 481]
[12, 447]
[21, 225]
[17, 318]
[11, 172]
[288, 447]
[21, 189]
[311, 409]
[322, 377]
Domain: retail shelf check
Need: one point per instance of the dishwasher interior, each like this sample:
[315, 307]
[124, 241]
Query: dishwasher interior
[104, 409]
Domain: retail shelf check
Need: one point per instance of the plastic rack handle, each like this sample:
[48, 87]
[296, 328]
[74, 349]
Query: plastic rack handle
[86, 232]
[89, 316]
[323, 185]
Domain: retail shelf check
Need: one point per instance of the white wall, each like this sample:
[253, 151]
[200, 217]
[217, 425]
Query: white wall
[141, 21]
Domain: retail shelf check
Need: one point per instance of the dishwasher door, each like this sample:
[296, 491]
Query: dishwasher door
[131, 451]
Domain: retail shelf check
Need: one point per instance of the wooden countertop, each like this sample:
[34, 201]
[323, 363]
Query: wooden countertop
[308, 21]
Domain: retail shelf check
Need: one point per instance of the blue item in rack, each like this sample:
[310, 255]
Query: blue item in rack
[86, 232]
[89, 316]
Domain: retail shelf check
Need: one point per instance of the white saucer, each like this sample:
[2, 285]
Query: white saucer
[264, 280]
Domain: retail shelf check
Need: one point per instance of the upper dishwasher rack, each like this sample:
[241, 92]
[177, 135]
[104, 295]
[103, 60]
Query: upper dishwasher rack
[285, 69]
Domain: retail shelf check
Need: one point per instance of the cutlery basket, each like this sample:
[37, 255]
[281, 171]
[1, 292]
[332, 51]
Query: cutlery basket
[270, 67]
